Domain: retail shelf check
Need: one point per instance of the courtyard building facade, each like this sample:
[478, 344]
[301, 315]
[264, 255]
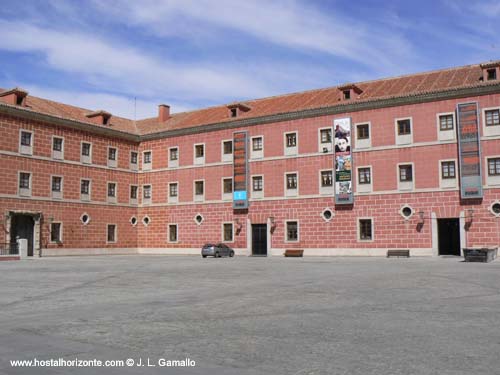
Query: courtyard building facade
[411, 162]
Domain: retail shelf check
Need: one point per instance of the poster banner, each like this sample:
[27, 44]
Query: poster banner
[343, 161]
[471, 185]
[240, 170]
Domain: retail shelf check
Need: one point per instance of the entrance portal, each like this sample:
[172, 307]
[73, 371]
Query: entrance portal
[449, 236]
[259, 239]
[23, 226]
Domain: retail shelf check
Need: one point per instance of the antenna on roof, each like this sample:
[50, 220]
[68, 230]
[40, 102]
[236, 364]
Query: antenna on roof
[135, 108]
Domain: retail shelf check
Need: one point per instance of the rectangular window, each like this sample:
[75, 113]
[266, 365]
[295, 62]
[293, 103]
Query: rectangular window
[112, 153]
[26, 139]
[405, 173]
[365, 229]
[492, 117]
[85, 187]
[147, 157]
[146, 191]
[228, 185]
[326, 135]
[55, 232]
[198, 187]
[326, 178]
[363, 131]
[445, 122]
[24, 180]
[364, 175]
[494, 167]
[291, 181]
[291, 140]
[172, 233]
[347, 94]
[86, 149]
[57, 144]
[173, 190]
[491, 74]
[133, 157]
[111, 189]
[448, 169]
[228, 232]
[404, 127]
[133, 192]
[257, 144]
[292, 232]
[228, 147]
[174, 154]
[111, 233]
[199, 151]
[56, 184]
[257, 183]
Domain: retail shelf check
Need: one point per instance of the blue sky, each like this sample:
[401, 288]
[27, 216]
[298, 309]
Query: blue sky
[194, 54]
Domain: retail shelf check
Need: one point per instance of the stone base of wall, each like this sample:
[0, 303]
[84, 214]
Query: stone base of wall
[360, 252]
[9, 257]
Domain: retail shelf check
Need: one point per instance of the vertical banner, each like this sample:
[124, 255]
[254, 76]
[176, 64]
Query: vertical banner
[343, 161]
[471, 184]
[240, 170]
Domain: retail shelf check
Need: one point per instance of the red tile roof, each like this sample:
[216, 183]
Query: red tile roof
[403, 86]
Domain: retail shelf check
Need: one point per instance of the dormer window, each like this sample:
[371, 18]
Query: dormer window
[349, 91]
[236, 109]
[16, 96]
[100, 117]
[491, 74]
[491, 71]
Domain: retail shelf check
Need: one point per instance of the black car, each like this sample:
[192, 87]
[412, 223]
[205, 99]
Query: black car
[216, 250]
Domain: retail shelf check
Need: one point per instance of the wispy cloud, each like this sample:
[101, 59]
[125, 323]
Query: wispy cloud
[291, 24]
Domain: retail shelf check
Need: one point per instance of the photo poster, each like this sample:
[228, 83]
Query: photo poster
[240, 170]
[343, 161]
[469, 152]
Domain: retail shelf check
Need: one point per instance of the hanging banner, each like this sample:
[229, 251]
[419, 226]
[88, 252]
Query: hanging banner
[240, 170]
[343, 161]
[471, 184]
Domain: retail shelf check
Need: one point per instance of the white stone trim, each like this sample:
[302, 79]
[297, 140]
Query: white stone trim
[446, 135]
[57, 194]
[364, 188]
[173, 163]
[112, 163]
[406, 185]
[325, 190]
[201, 159]
[291, 150]
[84, 159]
[147, 166]
[258, 154]
[490, 131]
[285, 240]
[291, 192]
[358, 229]
[226, 196]
[144, 200]
[173, 199]
[133, 166]
[111, 199]
[57, 155]
[197, 197]
[23, 192]
[406, 139]
[232, 232]
[176, 232]
[324, 148]
[491, 180]
[361, 144]
[226, 157]
[60, 232]
[26, 150]
[256, 194]
[448, 183]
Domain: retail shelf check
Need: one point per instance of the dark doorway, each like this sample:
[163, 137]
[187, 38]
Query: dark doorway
[22, 226]
[259, 239]
[449, 237]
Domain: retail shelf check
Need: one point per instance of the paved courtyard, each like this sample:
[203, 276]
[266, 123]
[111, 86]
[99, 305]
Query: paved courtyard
[252, 315]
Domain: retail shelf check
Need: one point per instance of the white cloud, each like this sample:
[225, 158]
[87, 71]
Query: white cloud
[122, 68]
[291, 24]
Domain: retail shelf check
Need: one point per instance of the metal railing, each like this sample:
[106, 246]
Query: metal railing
[9, 248]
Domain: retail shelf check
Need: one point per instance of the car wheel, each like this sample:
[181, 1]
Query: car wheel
[217, 255]
[204, 256]
[231, 253]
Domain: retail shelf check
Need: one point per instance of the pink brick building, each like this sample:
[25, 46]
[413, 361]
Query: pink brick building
[79, 181]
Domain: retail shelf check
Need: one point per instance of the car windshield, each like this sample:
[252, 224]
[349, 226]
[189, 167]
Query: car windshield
[221, 245]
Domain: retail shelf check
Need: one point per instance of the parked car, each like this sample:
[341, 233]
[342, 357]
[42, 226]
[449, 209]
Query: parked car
[216, 250]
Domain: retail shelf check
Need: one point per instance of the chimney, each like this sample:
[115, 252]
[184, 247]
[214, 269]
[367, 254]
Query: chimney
[163, 112]
[16, 96]
[100, 117]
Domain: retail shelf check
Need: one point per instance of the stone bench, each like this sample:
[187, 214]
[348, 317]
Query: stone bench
[293, 253]
[398, 253]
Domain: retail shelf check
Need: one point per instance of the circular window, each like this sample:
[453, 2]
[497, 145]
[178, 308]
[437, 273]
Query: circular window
[406, 211]
[495, 208]
[85, 218]
[327, 214]
[133, 220]
[146, 220]
[198, 219]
